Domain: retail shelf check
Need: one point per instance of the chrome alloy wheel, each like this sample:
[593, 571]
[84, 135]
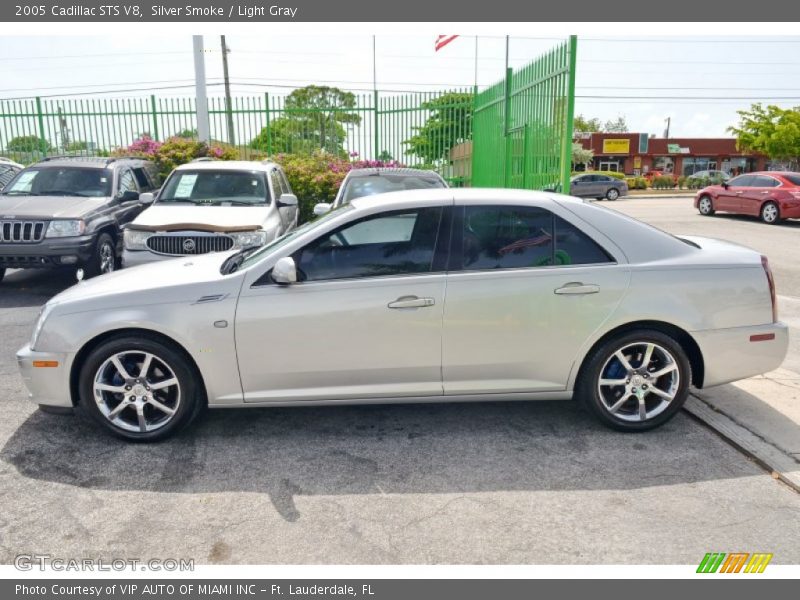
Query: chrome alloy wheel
[769, 213]
[137, 391]
[705, 206]
[638, 381]
[107, 258]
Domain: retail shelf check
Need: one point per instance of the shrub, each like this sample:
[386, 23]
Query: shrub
[682, 182]
[176, 151]
[663, 182]
[615, 174]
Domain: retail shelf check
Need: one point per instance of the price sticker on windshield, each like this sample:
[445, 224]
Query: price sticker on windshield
[186, 185]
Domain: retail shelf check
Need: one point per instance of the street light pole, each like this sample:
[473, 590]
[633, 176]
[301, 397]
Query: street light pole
[228, 102]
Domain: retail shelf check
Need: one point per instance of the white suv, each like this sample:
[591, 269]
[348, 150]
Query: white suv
[212, 206]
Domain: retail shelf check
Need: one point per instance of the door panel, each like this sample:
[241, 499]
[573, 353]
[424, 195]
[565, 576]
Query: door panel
[340, 339]
[509, 331]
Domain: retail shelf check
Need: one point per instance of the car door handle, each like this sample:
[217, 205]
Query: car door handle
[739, 193]
[765, 192]
[411, 302]
[578, 288]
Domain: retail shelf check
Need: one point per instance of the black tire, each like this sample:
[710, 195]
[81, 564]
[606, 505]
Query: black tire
[705, 206]
[99, 263]
[770, 213]
[612, 194]
[624, 419]
[2, 273]
[187, 399]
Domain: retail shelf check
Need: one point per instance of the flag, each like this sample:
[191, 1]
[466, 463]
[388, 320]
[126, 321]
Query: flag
[443, 40]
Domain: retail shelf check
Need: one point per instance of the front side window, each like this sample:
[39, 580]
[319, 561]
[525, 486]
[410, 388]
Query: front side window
[60, 181]
[127, 183]
[277, 189]
[512, 237]
[206, 186]
[395, 243]
[741, 181]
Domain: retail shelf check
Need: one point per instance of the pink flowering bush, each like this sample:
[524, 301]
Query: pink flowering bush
[176, 151]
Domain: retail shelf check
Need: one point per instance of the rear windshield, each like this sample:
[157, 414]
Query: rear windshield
[236, 188]
[369, 185]
[794, 178]
[60, 181]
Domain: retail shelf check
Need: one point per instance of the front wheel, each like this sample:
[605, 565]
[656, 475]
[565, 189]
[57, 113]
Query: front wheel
[139, 389]
[770, 213]
[612, 194]
[705, 206]
[104, 259]
[2, 273]
[635, 382]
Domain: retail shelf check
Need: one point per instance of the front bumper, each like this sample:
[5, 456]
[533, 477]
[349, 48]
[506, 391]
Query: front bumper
[47, 385]
[50, 252]
[133, 258]
[733, 354]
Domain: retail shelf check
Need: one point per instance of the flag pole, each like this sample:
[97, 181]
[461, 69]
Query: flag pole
[476, 64]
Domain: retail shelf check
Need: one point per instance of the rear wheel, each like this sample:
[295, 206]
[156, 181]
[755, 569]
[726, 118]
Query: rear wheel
[637, 381]
[770, 213]
[139, 389]
[705, 206]
[612, 194]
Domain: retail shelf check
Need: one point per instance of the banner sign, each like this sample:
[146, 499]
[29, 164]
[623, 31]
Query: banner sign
[616, 146]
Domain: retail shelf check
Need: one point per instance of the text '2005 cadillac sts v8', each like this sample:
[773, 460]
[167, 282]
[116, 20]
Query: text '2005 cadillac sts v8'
[421, 296]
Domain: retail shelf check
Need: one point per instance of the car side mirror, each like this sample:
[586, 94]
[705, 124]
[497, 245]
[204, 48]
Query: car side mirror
[284, 272]
[725, 184]
[322, 208]
[287, 200]
[128, 195]
[147, 197]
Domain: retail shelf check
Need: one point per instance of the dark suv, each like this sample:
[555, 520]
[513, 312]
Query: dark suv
[65, 211]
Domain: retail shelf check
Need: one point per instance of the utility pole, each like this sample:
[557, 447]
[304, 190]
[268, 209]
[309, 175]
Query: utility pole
[228, 103]
[201, 100]
[668, 121]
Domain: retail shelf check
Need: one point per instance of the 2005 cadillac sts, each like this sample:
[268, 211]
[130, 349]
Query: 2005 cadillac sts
[421, 296]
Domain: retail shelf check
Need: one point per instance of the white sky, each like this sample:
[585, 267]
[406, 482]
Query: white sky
[711, 77]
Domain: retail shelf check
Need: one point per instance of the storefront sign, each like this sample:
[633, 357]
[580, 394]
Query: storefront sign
[637, 162]
[612, 146]
[674, 148]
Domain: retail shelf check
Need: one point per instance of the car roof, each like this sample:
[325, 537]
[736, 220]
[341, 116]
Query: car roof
[90, 162]
[408, 198]
[370, 171]
[227, 165]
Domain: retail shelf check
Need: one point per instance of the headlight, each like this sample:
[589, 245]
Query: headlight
[43, 314]
[136, 240]
[248, 239]
[65, 228]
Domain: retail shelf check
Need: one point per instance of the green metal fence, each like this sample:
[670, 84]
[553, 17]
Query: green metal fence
[522, 131]
[415, 129]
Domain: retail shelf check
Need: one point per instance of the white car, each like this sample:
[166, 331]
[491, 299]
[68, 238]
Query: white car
[212, 206]
[426, 296]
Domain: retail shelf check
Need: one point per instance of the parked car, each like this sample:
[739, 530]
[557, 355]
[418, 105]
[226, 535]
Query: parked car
[590, 185]
[8, 168]
[712, 175]
[771, 195]
[69, 212]
[547, 297]
[213, 206]
[368, 182]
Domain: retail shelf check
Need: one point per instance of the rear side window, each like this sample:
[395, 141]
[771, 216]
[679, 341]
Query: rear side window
[764, 181]
[395, 243]
[513, 237]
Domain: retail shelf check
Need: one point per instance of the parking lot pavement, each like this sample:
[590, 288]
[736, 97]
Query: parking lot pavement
[761, 414]
[461, 483]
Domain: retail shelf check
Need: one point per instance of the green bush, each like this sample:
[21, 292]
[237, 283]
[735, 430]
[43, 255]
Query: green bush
[697, 183]
[663, 182]
[615, 174]
[314, 178]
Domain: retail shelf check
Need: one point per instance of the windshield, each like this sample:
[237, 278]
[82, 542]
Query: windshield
[381, 183]
[60, 181]
[280, 242]
[205, 186]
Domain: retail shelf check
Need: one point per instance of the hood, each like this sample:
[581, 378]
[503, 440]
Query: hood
[164, 217]
[182, 279]
[48, 207]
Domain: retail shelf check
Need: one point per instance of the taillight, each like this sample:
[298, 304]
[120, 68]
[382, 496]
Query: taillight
[771, 281]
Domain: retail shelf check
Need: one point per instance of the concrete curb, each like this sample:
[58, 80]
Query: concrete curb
[781, 465]
[656, 196]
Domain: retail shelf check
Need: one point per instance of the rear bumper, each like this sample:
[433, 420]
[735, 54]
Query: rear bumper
[55, 252]
[47, 386]
[730, 355]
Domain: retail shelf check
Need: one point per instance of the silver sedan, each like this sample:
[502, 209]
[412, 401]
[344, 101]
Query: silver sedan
[423, 296]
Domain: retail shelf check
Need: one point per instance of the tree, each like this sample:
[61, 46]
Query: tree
[583, 125]
[314, 118]
[449, 124]
[581, 155]
[618, 125]
[772, 131]
[27, 143]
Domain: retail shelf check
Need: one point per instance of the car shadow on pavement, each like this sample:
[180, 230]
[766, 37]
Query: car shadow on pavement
[33, 287]
[389, 449]
[750, 219]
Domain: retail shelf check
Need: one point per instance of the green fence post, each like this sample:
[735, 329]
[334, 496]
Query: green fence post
[266, 127]
[40, 118]
[566, 150]
[507, 128]
[154, 112]
[375, 151]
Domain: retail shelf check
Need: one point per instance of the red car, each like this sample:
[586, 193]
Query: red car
[770, 195]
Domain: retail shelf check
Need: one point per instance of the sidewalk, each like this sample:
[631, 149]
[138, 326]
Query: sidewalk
[650, 194]
[760, 415]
